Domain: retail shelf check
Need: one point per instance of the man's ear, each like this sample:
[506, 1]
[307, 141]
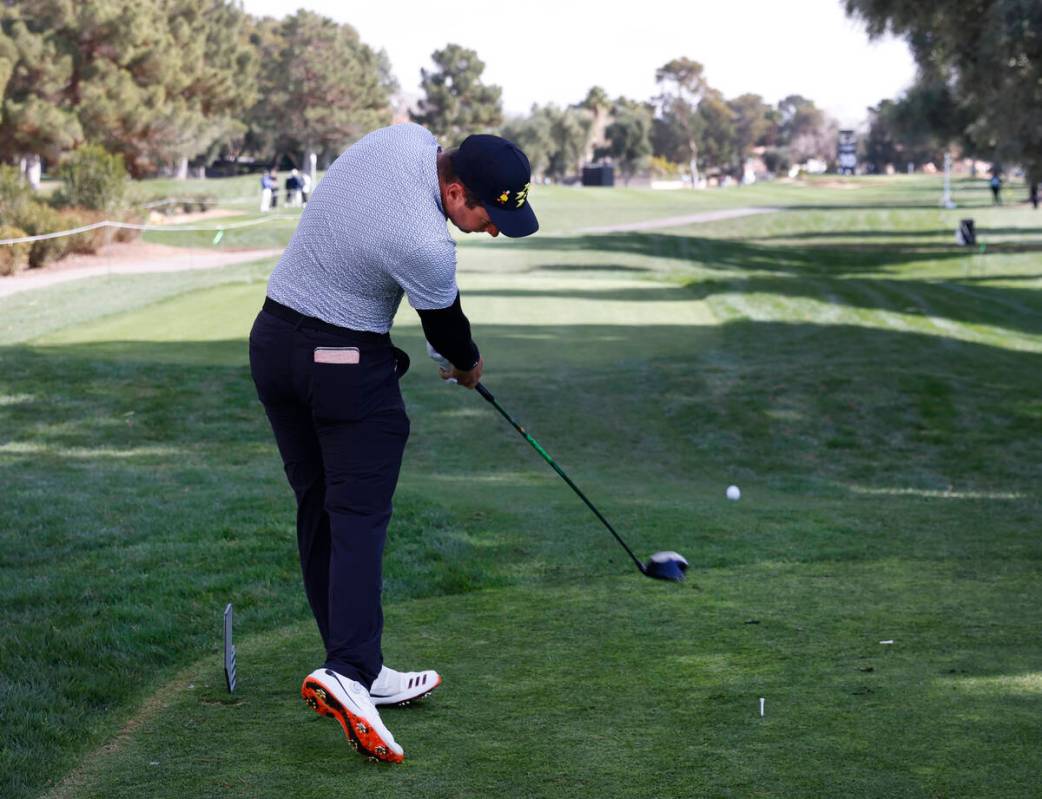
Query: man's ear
[454, 190]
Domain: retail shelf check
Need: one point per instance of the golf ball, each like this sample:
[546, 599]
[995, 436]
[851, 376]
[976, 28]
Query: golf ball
[733, 493]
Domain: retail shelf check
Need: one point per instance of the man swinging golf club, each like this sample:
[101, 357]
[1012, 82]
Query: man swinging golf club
[327, 375]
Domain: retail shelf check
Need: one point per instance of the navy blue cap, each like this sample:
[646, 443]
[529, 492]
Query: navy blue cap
[499, 175]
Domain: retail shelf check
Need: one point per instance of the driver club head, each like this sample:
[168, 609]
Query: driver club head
[666, 566]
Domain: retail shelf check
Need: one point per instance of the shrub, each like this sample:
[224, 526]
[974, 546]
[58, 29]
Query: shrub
[91, 241]
[13, 257]
[129, 234]
[94, 179]
[37, 219]
[14, 193]
[664, 168]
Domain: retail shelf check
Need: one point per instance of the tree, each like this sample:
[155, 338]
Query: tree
[989, 52]
[570, 133]
[598, 104]
[917, 127]
[456, 103]
[804, 130]
[753, 122]
[669, 142]
[553, 138]
[882, 144]
[534, 135]
[322, 88]
[35, 121]
[717, 123]
[8, 58]
[219, 75]
[158, 81]
[629, 136]
[683, 86]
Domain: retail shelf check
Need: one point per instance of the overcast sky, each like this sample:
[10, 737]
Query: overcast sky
[541, 51]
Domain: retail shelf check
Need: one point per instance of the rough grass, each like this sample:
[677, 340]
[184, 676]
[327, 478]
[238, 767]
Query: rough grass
[872, 388]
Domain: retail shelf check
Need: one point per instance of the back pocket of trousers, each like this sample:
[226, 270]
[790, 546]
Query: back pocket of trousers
[344, 390]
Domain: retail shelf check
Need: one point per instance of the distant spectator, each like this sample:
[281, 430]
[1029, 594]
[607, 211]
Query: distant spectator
[293, 186]
[274, 188]
[305, 186]
[269, 190]
[996, 188]
[1033, 194]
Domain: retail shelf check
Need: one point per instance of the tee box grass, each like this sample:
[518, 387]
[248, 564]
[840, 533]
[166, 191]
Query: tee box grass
[871, 387]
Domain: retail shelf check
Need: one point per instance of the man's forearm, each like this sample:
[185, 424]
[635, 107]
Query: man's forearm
[448, 331]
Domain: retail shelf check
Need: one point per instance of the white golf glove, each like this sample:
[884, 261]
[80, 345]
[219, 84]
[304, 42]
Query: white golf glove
[442, 361]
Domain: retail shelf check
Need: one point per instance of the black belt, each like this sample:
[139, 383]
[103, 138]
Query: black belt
[365, 338]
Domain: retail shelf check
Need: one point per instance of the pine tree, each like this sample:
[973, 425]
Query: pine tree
[456, 103]
[322, 88]
[35, 120]
[158, 81]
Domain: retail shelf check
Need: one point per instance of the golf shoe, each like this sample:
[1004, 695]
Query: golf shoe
[402, 687]
[347, 701]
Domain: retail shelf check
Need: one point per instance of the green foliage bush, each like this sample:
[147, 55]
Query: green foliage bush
[91, 241]
[14, 192]
[129, 234]
[13, 257]
[664, 168]
[37, 219]
[777, 160]
[93, 179]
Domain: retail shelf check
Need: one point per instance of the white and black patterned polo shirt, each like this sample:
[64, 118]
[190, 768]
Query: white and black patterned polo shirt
[373, 230]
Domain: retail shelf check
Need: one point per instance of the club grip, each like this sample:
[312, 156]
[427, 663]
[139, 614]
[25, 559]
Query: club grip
[484, 392]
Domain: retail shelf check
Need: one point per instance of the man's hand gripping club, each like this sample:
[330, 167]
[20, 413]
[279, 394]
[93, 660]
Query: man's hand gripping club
[451, 374]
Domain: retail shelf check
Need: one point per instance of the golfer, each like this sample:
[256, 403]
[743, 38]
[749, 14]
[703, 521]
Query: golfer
[327, 375]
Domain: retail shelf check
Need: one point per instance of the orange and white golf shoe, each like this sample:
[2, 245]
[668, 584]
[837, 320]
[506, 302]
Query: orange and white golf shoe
[347, 701]
[402, 687]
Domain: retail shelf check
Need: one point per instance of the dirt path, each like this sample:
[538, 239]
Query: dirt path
[129, 259]
[679, 221]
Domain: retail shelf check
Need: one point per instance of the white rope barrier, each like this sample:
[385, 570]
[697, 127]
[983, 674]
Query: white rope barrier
[133, 226]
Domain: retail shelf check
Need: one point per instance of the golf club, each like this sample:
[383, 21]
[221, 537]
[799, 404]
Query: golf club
[661, 565]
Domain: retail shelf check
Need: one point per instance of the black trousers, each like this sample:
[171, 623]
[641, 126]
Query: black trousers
[341, 429]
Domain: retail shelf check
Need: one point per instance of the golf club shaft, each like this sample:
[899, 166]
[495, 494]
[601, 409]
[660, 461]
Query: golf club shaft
[484, 392]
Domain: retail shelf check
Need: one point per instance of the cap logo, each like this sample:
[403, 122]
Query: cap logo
[522, 195]
[503, 198]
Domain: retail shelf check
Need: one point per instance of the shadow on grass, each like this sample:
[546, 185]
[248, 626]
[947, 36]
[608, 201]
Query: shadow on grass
[591, 268]
[710, 253]
[957, 300]
[841, 233]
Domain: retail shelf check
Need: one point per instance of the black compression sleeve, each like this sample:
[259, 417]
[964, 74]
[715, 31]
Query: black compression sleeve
[448, 331]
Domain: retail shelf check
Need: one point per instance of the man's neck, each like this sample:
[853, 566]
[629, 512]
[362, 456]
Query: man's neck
[439, 161]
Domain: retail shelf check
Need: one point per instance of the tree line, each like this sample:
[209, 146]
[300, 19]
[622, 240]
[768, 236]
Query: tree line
[170, 83]
[165, 83]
